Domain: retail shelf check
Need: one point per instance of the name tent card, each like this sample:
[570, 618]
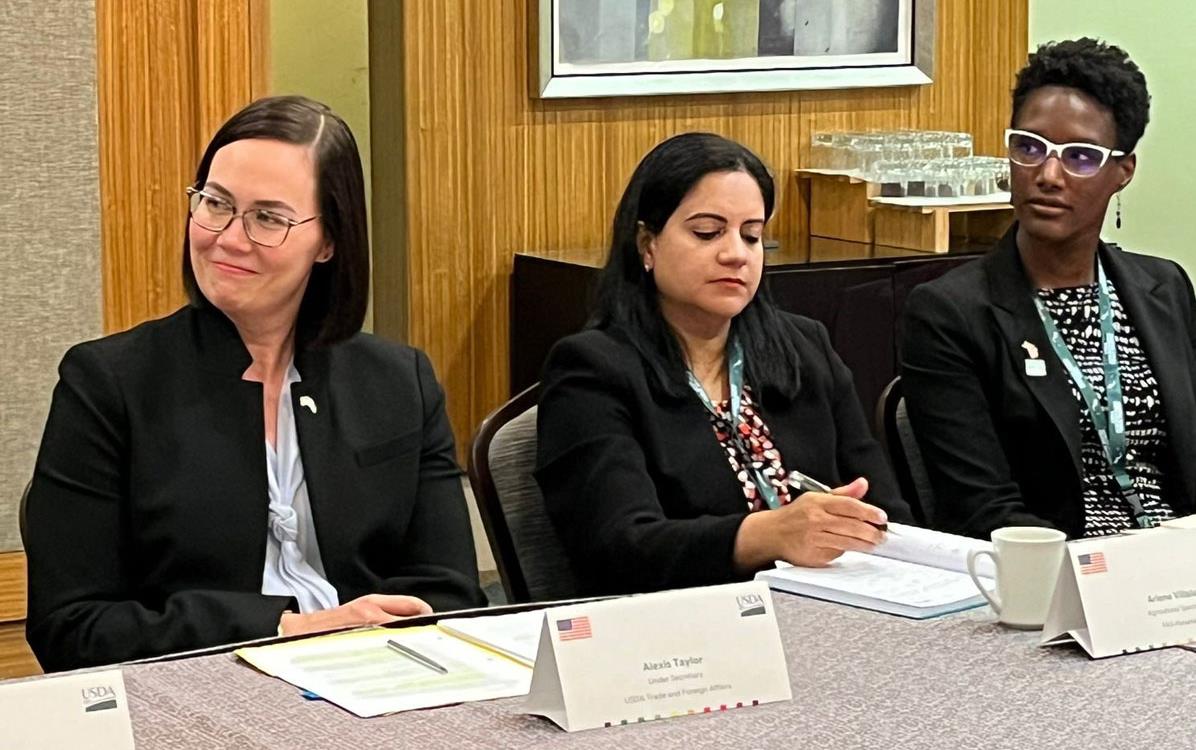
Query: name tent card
[1129, 593]
[88, 709]
[656, 656]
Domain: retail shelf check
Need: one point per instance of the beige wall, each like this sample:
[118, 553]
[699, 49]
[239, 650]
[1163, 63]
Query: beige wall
[50, 231]
[1160, 36]
[320, 49]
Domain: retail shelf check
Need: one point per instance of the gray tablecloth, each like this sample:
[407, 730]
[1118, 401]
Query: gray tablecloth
[860, 679]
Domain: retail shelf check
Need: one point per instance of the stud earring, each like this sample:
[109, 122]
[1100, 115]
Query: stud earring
[1119, 210]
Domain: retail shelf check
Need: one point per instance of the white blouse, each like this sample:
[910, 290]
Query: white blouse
[293, 565]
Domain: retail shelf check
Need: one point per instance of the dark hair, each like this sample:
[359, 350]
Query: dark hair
[627, 296]
[334, 303]
[1103, 71]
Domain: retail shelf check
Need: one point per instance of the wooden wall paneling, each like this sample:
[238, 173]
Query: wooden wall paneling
[146, 67]
[492, 171]
[258, 25]
[225, 35]
[16, 660]
[999, 53]
[12, 586]
[946, 104]
[169, 74]
[440, 226]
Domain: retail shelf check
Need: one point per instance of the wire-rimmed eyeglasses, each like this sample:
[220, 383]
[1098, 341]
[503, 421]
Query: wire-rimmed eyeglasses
[262, 226]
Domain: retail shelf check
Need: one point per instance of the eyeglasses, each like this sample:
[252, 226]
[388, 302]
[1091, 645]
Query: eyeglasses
[262, 226]
[1078, 159]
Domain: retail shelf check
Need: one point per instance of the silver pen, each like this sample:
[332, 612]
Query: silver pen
[415, 656]
[806, 484]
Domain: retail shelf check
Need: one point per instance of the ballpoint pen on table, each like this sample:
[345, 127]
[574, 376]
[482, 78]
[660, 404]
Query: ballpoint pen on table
[804, 483]
[415, 656]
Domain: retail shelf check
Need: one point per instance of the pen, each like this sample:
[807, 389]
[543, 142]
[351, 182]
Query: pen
[415, 656]
[809, 484]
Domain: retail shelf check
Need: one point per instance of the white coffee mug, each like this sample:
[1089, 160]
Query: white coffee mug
[1026, 559]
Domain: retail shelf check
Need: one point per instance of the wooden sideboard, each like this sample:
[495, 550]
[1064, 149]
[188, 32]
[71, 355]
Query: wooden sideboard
[859, 301]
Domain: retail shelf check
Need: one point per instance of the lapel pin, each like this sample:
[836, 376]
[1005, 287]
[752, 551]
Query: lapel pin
[1035, 367]
[308, 403]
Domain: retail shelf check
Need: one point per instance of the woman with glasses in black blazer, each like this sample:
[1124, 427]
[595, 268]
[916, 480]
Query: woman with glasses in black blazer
[1051, 382]
[677, 433]
[252, 464]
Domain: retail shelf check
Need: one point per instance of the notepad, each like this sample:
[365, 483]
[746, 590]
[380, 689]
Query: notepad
[516, 636]
[915, 573]
[484, 658]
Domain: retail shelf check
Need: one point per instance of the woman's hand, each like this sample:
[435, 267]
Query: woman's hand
[371, 609]
[811, 531]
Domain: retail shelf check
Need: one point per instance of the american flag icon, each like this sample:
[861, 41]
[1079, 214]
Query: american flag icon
[1093, 562]
[573, 629]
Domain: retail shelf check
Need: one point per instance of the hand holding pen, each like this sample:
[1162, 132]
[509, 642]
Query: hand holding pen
[803, 483]
[814, 529]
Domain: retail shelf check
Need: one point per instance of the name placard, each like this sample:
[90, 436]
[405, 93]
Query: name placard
[656, 656]
[1122, 594]
[75, 710]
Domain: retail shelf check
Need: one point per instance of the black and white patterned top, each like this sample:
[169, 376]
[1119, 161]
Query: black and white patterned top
[1076, 311]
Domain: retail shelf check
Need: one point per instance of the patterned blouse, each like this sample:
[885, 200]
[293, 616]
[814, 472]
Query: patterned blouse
[763, 454]
[1076, 311]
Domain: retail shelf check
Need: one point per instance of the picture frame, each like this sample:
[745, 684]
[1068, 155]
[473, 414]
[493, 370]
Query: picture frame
[607, 48]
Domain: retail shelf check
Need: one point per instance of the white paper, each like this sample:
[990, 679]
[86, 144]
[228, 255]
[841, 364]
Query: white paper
[935, 548]
[881, 584]
[515, 635]
[1184, 522]
[77, 710]
[360, 673]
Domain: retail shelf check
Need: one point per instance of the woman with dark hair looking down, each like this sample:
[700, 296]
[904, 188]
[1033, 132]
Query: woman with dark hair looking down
[672, 430]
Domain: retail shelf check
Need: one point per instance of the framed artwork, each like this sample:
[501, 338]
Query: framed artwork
[643, 47]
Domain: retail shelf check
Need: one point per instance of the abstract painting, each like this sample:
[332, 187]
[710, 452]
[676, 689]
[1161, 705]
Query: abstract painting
[633, 47]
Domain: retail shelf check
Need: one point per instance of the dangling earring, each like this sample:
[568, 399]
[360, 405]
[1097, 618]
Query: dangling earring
[1119, 210]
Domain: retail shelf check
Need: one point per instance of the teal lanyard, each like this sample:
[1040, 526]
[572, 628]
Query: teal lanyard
[735, 373]
[1109, 421]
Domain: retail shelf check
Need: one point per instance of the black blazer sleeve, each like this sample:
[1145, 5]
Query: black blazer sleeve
[951, 416]
[437, 561]
[83, 607]
[597, 487]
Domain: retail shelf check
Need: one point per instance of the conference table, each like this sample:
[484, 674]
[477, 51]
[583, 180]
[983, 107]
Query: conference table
[860, 679]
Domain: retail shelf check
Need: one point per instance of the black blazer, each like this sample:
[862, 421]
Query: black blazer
[147, 515]
[635, 481]
[1002, 448]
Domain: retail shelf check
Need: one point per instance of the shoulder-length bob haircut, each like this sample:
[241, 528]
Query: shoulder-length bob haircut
[627, 296]
[334, 303]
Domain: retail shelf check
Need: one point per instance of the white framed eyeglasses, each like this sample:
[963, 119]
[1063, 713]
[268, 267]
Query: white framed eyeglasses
[1080, 159]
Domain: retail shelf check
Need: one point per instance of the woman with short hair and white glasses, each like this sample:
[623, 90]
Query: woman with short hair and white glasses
[1051, 382]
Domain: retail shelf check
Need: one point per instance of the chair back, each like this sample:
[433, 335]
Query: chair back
[897, 436]
[527, 550]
